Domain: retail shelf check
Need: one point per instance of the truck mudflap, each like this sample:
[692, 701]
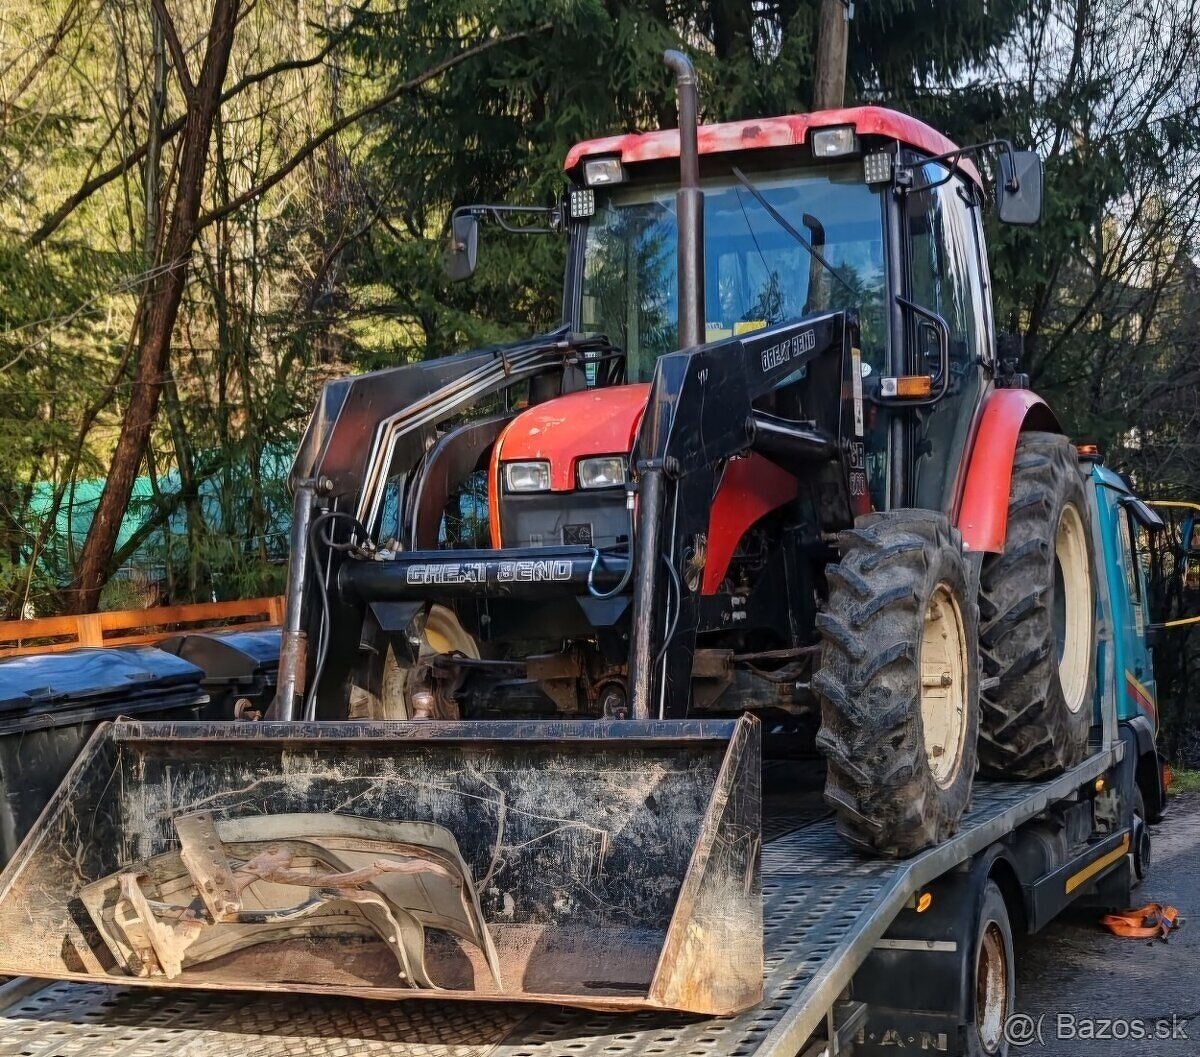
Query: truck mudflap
[610, 865]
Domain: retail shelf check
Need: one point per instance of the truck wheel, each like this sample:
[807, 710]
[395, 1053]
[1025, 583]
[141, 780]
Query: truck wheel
[1037, 620]
[899, 683]
[995, 977]
[1141, 839]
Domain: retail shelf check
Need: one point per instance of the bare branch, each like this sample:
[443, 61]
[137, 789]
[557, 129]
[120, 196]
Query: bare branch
[65, 24]
[175, 48]
[169, 131]
[357, 115]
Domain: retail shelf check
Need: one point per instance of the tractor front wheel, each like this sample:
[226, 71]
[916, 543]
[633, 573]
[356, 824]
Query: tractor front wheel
[380, 693]
[899, 683]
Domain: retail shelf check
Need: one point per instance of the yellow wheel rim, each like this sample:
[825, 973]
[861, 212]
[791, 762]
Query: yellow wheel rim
[944, 668]
[1074, 612]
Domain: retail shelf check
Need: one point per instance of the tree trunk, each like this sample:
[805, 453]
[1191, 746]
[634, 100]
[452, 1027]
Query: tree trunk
[161, 297]
[829, 77]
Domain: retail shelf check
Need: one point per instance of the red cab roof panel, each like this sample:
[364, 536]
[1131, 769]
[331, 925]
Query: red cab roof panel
[789, 131]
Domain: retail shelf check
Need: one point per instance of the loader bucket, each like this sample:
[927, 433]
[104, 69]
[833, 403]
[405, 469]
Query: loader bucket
[608, 865]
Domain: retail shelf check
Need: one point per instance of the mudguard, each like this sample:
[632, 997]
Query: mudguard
[983, 511]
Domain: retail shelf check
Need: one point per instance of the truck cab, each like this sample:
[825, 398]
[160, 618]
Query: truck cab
[1128, 626]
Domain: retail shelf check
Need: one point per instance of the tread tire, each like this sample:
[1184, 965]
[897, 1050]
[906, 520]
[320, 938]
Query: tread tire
[878, 777]
[1028, 730]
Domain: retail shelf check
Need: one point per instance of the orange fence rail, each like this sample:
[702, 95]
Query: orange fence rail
[129, 627]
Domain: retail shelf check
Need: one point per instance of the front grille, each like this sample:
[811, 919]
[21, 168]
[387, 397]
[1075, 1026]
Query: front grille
[548, 519]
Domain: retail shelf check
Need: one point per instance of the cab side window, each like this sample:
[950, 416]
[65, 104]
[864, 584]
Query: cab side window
[945, 278]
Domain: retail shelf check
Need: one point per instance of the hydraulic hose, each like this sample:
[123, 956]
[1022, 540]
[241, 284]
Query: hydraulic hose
[625, 576]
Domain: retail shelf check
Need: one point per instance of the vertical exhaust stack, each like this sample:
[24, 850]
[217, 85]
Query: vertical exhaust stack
[689, 205]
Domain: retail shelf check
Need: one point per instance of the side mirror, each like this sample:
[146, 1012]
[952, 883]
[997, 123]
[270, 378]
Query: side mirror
[1019, 187]
[462, 251]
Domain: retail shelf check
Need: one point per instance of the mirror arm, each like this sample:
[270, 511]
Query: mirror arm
[485, 211]
[953, 156]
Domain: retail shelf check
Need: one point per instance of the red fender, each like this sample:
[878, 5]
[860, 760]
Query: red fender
[983, 512]
[750, 488]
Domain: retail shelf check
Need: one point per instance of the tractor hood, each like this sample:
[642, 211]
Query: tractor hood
[569, 428]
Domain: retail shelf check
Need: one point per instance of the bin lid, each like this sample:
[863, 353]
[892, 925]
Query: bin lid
[88, 676]
[229, 656]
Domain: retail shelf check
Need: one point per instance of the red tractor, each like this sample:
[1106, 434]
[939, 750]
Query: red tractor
[773, 460]
[772, 467]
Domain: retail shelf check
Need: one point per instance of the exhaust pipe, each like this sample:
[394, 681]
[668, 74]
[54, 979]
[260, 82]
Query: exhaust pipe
[689, 205]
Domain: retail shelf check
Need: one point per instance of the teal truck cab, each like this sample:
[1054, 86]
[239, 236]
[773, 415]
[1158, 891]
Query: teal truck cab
[1128, 631]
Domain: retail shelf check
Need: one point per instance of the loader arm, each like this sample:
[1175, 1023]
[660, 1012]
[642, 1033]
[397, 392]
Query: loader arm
[372, 427]
[705, 407]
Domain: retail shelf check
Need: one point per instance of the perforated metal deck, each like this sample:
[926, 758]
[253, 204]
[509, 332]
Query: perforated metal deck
[824, 908]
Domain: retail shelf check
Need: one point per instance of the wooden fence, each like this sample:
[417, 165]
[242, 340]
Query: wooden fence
[128, 627]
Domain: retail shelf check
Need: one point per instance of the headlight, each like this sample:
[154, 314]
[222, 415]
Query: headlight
[608, 471]
[527, 476]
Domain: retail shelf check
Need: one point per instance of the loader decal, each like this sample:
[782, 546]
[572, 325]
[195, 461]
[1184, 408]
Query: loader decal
[786, 351]
[505, 572]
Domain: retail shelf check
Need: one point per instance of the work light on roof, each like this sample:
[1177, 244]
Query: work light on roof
[834, 142]
[582, 204]
[600, 172]
[877, 167]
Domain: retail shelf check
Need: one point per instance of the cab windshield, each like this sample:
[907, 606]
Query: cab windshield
[756, 273]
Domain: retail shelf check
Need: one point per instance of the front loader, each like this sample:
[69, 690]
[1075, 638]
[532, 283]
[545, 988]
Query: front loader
[771, 486]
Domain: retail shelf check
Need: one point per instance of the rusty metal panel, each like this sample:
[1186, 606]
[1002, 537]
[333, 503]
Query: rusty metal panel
[598, 855]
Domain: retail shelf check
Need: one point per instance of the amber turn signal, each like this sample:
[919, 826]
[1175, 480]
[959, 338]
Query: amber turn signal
[907, 387]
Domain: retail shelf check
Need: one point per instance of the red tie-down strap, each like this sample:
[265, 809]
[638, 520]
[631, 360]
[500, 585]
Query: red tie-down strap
[1154, 920]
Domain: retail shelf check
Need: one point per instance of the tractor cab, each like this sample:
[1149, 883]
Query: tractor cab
[860, 210]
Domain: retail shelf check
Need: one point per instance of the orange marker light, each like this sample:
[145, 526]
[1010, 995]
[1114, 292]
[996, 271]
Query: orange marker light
[924, 902]
[907, 387]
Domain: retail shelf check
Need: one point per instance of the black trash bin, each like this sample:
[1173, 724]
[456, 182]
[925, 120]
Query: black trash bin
[237, 665]
[51, 703]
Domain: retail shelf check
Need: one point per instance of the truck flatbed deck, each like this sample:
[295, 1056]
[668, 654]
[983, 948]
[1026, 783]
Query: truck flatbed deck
[824, 910]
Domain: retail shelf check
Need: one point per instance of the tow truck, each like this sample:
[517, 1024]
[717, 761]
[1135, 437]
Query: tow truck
[618, 869]
[864, 956]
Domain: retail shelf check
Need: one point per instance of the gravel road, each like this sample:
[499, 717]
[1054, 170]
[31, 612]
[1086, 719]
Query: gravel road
[1075, 969]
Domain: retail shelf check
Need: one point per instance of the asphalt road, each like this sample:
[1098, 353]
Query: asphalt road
[1075, 969]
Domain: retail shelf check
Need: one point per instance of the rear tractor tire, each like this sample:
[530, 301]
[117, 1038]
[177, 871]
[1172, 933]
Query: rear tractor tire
[899, 683]
[1037, 620]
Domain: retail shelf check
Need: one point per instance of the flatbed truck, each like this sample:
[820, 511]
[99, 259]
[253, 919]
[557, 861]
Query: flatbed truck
[864, 956]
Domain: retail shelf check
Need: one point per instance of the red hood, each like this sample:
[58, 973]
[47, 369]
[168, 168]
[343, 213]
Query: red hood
[572, 427]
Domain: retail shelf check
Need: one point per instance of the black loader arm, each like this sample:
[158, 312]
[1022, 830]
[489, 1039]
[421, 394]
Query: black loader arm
[787, 392]
[370, 428]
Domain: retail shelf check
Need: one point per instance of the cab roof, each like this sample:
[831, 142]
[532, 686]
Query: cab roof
[788, 131]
